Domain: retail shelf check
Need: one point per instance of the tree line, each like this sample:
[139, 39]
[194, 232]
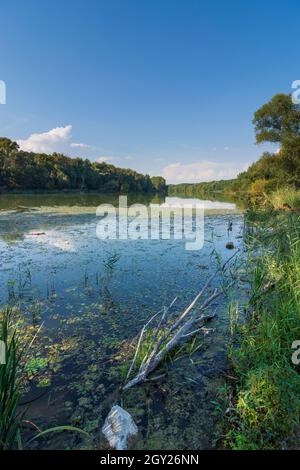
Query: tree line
[20, 170]
[278, 122]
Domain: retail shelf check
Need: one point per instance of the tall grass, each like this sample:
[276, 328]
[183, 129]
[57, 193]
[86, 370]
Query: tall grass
[265, 395]
[10, 418]
[285, 198]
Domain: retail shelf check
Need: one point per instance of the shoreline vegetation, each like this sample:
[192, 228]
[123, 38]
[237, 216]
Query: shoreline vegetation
[261, 405]
[259, 402]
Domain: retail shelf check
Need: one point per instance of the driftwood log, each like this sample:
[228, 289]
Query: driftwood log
[168, 331]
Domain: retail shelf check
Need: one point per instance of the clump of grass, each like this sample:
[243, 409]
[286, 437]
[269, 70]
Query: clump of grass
[10, 418]
[265, 400]
[285, 198]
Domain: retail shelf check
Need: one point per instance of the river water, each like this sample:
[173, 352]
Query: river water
[92, 296]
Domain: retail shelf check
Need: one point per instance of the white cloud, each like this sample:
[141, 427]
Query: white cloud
[201, 171]
[47, 142]
[80, 146]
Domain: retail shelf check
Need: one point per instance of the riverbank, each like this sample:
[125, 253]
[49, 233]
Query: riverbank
[260, 400]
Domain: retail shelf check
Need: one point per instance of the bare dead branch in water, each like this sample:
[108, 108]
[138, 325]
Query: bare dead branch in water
[166, 335]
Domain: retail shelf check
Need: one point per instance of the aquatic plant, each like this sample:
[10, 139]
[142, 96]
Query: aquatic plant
[110, 262]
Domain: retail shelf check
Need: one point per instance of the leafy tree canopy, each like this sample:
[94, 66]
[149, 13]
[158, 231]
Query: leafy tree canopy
[278, 120]
[21, 170]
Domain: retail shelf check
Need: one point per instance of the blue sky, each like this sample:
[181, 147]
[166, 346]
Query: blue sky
[162, 86]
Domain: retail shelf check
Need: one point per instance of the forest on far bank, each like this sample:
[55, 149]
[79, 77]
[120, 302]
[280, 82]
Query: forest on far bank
[29, 171]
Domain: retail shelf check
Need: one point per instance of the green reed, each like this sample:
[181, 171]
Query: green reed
[264, 398]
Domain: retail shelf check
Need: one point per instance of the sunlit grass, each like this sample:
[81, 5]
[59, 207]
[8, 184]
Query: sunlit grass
[266, 395]
[286, 198]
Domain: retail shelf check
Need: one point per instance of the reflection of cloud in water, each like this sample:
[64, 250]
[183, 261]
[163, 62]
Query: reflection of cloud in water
[53, 239]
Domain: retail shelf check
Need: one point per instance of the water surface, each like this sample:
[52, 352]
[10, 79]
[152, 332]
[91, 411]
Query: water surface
[94, 296]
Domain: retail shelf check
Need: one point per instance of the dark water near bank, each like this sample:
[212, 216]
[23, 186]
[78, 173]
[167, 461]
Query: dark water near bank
[94, 296]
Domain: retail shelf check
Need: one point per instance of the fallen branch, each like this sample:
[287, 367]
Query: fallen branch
[167, 335]
[164, 310]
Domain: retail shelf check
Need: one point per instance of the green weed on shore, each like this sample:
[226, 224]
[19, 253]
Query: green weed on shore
[10, 416]
[262, 401]
[285, 198]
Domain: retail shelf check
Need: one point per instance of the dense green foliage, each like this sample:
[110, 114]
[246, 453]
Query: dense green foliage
[200, 189]
[159, 184]
[263, 398]
[21, 170]
[277, 121]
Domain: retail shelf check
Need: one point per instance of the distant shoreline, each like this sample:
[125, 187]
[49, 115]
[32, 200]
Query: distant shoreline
[29, 192]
